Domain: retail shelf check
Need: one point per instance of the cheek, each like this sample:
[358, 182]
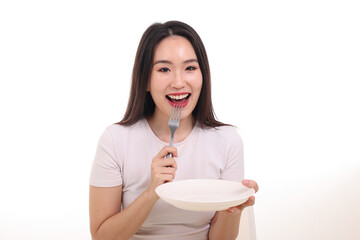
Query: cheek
[198, 84]
[196, 81]
[156, 85]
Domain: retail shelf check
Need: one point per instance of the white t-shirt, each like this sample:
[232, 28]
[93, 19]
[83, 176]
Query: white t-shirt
[124, 157]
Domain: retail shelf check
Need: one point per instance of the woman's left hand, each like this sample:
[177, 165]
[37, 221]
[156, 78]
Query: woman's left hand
[249, 202]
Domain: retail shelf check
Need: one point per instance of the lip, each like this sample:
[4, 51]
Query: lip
[180, 104]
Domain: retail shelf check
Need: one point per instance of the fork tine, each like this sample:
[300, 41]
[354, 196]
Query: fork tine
[172, 112]
[176, 111]
[179, 114]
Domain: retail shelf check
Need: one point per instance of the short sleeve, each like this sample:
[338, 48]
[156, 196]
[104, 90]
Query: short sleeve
[105, 171]
[234, 166]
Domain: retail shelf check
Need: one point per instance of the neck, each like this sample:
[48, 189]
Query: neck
[159, 124]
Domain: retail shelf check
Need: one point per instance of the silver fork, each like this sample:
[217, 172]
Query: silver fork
[174, 122]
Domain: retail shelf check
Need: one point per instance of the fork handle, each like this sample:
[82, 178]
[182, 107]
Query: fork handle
[169, 155]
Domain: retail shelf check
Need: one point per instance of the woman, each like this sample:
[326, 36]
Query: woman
[171, 67]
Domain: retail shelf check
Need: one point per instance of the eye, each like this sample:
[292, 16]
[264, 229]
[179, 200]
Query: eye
[190, 68]
[164, 69]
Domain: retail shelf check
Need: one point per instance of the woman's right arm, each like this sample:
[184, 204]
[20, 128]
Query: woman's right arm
[107, 221]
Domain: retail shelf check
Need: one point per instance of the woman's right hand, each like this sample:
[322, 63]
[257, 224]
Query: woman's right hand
[162, 169]
[105, 202]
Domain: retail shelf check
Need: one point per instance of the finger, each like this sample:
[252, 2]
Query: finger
[167, 170]
[166, 150]
[248, 203]
[173, 164]
[240, 208]
[163, 178]
[167, 177]
[165, 162]
[251, 184]
[251, 201]
[234, 210]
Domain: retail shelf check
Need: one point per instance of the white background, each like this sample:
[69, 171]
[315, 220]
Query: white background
[286, 73]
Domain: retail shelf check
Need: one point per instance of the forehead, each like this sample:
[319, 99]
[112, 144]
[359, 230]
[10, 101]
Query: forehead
[174, 46]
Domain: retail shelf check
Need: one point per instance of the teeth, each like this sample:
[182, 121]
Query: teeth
[178, 97]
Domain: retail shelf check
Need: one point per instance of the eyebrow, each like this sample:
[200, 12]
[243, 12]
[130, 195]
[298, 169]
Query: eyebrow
[169, 62]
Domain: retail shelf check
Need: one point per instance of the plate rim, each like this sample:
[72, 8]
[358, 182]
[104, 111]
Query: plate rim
[162, 196]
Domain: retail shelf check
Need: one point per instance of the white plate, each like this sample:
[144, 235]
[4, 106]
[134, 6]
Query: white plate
[204, 194]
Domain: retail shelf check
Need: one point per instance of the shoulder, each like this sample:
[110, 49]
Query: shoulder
[117, 132]
[223, 136]
[222, 132]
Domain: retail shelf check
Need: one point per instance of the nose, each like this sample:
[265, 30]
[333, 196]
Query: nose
[178, 81]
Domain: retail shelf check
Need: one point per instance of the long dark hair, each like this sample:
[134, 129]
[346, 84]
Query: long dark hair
[140, 103]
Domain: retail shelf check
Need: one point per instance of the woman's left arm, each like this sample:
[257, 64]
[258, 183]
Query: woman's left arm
[225, 224]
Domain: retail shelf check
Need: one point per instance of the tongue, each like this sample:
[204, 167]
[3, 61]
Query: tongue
[178, 101]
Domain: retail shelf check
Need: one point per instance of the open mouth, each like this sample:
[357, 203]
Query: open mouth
[178, 99]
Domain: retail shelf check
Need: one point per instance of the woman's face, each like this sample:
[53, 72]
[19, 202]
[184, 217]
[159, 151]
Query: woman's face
[175, 76]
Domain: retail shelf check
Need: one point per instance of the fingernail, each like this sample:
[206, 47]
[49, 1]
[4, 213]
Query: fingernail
[246, 182]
